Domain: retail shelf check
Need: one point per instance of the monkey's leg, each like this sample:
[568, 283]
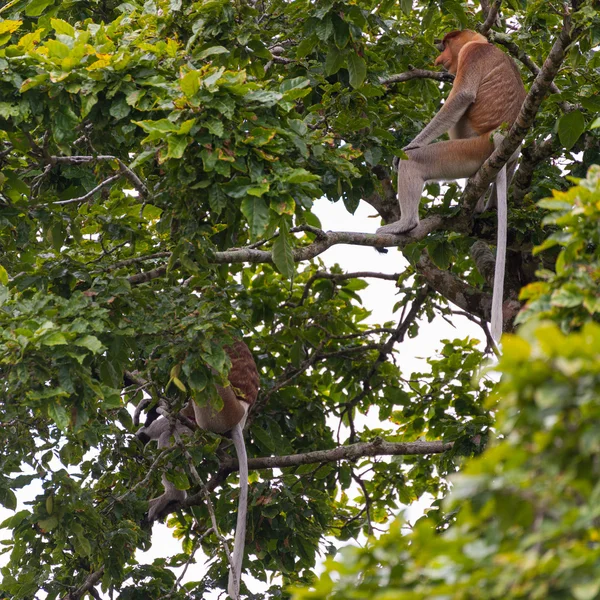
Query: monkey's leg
[231, 414]
[455, 159]
[159, 507]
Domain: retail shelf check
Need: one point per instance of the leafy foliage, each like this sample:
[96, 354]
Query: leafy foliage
[524, 513]
[159, 162]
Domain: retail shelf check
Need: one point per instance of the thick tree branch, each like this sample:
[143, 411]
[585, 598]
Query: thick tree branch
[477, 185]
[327, 240]
[454, 289]
[491, 16]
[378, 447]
[89, 583]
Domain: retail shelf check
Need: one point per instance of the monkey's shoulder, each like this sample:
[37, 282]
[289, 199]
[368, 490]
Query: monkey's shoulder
[476, 52]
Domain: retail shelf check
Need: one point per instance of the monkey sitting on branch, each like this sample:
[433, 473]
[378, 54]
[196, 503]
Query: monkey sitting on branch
[237, 398]
[487, 93]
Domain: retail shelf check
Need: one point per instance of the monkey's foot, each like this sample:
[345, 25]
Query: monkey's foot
[398, 227]
[160, 507]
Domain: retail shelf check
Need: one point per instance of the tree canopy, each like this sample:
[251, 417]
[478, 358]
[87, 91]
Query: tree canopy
[159, 163]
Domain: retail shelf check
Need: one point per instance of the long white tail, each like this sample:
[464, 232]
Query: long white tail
[498, 293]
[235, 569]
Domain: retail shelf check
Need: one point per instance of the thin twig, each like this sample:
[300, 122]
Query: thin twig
[87, 196]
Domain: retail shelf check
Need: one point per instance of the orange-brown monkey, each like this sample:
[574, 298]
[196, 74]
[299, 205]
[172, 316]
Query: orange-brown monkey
[486, 93]
[237, 399]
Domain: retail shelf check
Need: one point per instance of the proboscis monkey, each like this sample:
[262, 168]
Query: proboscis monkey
[237, 399]
[487, 92]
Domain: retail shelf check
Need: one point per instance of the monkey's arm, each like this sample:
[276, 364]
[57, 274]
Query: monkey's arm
[448, 116]
[462, 95]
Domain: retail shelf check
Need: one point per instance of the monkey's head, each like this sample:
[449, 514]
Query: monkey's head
[452, 44]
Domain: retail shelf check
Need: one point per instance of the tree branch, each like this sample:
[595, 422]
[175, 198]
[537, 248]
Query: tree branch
[89, 195]
[491, 17]
[454, 289]
[418, 74]
[327, 240]
[137, 183]
[89, 583]
[351, 452]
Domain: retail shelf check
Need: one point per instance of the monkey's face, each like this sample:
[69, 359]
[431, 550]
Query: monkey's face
[451, 46]
[448, 58]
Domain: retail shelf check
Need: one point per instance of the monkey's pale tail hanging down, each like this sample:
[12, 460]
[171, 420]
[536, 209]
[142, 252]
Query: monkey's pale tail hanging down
[498, 292]
[235, 569]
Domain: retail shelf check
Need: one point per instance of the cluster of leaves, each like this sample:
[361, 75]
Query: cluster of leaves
[524, 514]
[569, 294]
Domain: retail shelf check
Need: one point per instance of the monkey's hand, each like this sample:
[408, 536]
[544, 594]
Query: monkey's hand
[160, 507]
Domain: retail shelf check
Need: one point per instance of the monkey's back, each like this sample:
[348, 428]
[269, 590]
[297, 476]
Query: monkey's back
[243, 374]
[501, 91]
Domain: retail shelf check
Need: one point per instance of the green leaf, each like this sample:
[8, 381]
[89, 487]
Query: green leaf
[592, 104]
[570, 128]
[441, 254]
[595, 124]
[263, 438]
[259, 190]
[190, 83]
[3, 276]
[59, 415]
[82, 545]
[36, 7]
[357, 69]
[305, 47]
[260, 136]
[406, 6]
[283, 255]
[55, 338]
[9, 26]
[215, 127]
[48, 524]
[212, 51]
[62, 27]
[300, 176]
[8, 499]
[176, 145]
[33, 82]
[334, 61]
[341, 31]
[567, 298]
[256, 212]
[455, 9]
[14, 520]
[179, 479]
[90, 342]
[324, 28]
